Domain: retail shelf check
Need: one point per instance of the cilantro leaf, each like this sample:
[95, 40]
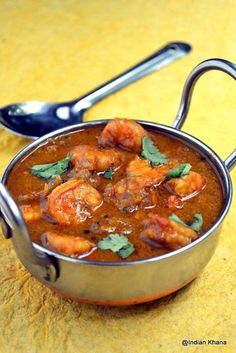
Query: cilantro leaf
[118, 244]
[196, 225]
[176, 219]
[113, 242]
[151, 153]
[50, 170]
[108, 173]
[126, 250]
[180, 171]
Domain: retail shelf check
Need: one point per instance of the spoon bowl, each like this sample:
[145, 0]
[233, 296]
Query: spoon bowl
[34, 119]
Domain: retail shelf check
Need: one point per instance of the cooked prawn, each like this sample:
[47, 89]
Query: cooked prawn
[126, 194]
[174, 202]
[86, 175]
[73, 202]
[187, 186]
[141, 168]
[91, 158]
[167, 233]
[31, 213]
[129, 192]
[67, 244]
[124, 133]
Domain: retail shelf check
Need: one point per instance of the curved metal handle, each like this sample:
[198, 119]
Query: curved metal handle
[196, 73]
[14, 226]
[162, 57]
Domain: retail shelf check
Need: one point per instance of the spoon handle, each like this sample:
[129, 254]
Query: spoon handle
[161, 58]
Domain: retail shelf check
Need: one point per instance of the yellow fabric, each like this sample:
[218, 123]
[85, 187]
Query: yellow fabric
[58, 50]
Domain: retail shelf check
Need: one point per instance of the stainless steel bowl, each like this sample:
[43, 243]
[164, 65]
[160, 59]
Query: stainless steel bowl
[122, 283]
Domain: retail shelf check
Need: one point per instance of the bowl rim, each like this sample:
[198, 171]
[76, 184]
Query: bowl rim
[212, 157]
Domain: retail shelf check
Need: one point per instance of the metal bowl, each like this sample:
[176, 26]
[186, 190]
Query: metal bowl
[122, 283]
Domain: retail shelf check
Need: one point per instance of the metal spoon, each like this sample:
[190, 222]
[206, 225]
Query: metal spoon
[34, 119]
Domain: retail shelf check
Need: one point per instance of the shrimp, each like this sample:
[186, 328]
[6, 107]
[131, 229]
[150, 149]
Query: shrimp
[167, 233]
[73, 202]
[126, 194]
[124, 133]
[93, 159]
[31, 213]
[84, 174]
[67, 244]
[129, 192]
[174, 202]
[142, 169]
[187, 186]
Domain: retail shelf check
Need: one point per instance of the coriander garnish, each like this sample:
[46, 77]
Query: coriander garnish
[180, 171]
[195, 225]
[51, 170]
[108, 173]
[126, 250]
[117, 243]
[151, 153]
[176, 219]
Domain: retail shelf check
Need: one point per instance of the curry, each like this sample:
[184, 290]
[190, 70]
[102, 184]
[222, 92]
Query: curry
[116, 193]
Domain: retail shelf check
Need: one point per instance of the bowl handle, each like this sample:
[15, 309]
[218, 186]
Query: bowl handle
[14, 226]
[199, 70]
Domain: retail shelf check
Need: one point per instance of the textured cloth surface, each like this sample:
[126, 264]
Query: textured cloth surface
[58, 50]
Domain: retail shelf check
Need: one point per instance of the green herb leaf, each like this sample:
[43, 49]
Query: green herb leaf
[118, 244]
[108, 173]
[151, 153]
[180, 171]
[176, 219]
[50, 170]
[126, 250]
[113, 242]
[196, 225]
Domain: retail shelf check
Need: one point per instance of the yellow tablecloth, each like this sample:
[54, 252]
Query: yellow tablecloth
[58, 50]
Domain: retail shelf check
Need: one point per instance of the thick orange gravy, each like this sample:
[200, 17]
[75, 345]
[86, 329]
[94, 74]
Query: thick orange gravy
[208, 202]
